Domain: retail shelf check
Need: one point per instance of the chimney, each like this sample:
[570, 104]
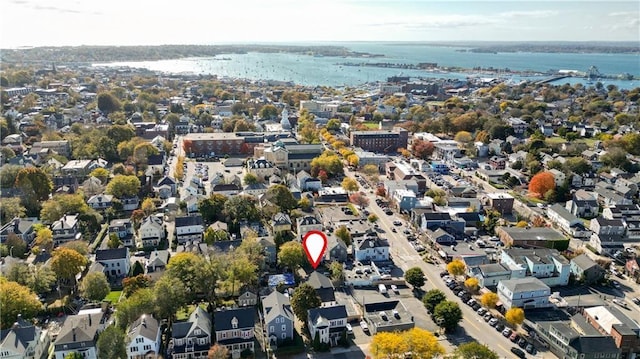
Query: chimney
[73, 332]
[89, 319]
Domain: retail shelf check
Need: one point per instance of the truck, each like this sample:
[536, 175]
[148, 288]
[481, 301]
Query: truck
[382, 288]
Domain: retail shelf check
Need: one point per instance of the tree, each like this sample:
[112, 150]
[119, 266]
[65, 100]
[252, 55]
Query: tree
[170, 296]
[372, 218]
[39, 278]
[415, 277]
[108, 103]
[282, 197]
[471, 284]
[140, 302]
[333, 124]
[463, 137]
[148, 207]
[95, 286]
[456, 267]
[79, 246]
[343, 233]
[218, 351]
[541, 183]
[305, 204]
[241, 207]
[34, 183]
[114, 241]
[111, 343]
[185, 267]
[432, 298]
[210, 274]
[100, 173]
[214, 235]
[349, 184]
[388, 345]
[304, 298]
[359, 199]
[11, 208]
[489, 299]
[514, 316]
[142, 151]
[329, 162]
[422, 343]
[268, 112]
[74, 355]
[291, 255]
[16, 299]
[212, 208]
[66, 263]
[474, 350]
[370, 170]
[337, 270]
[17, 246]
[132, 284]
[422, 149]
[250, 179]
[447, 315]
[123, 186]
[381, 192]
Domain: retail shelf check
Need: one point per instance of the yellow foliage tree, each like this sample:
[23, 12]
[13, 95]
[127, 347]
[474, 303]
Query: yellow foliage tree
[515, 316]
[471, 284]
[456, 267]
[387, 345]
[421, 343]
[522, 224]
[489, 300]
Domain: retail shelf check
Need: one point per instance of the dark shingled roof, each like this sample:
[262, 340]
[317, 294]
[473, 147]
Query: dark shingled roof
[110, 254]
[245, 317]
[188, 221]
[329, 313]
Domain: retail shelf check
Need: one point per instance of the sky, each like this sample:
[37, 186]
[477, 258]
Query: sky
[156, 22]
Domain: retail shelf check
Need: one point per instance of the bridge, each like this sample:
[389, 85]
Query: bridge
[551, 79]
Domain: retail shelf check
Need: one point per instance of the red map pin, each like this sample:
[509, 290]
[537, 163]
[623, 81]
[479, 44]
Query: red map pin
[314, 244]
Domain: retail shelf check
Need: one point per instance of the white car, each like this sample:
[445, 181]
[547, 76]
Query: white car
[349, 328]
[394, 288]
[364, 326]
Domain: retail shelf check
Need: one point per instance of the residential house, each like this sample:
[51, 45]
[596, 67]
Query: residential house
[79, 333]
[191, 338]
[489, 275]
[567, 221]
[234, 329]
[441, 237]
[262, 168]
[65, 184]
[608, 234]
[518, 125]
[123, 228]
[66, 229]
[576, 339]
[23, 340]
[327, 323]
[307, 183]
[166, 187]
[584, 180]
[428, 219]
[247, 298]
[336, 250]
[583, 204]
[324, 288]
[158, 260]
[144, 338]
[526, 293]
[255, 189]
[558, 176]
[189, 229]
[78, 168]
[21, 227]
[268, 244]
[624, 331]
[548, 265]
[628, 188]
[151, 231]
[534, 237]
[130, 203]
[228, 190]
[586, 269]
[278, 318]
[498, 163]
[501, 202]
[306, 224]
[281, 222]
[100, 201]
[405, 199]
[115, 261]
[371, 248]
[387, 316]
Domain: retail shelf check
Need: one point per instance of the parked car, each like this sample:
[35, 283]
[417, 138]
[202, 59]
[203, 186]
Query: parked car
[471, 302]
[364, 326]
[493, 322]
[349, 328]
[529, 348]
[444, 274]
[518, 352]
[481, 311]
[487, 317]
[522, 343]
[506, 332]
[476, 306]
[499, 327]
[636, 300]
[515, 337]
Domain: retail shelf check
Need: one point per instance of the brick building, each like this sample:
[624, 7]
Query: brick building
[380, 141]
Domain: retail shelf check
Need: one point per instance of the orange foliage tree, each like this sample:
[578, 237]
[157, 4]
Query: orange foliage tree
[541, 183]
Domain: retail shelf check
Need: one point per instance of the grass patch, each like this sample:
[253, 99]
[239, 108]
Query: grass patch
[353, 209]
[113, 296]
[371, 125]
[555, 140]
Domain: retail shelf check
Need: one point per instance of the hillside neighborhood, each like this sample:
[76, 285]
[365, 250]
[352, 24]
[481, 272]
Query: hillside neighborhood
[148, 215]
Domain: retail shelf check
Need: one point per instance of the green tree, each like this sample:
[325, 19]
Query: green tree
[101, 174]
[241, 207]
[432, 298]
[304, 298]
[474, 350]
[282, 197]
[268, 112]
[305, 204]
[333, 124]
[73, 355]
[170, 296]
[447, 315]
[132, 284]
[415, 277]
[250, 179]
[108, 103]
[148, 206]
[184, 267]
[16, 299]
[337, 270]
[17, 246]
[372, 218]
[114, 241]
[34, 183]
[291, 254]
[95, 286]
[343, 233]
[214, 235]
[140, 302]
[142, 151]
[212, 208]
[328, 162]
[123, 186]
[11, 208]
[66, 263]
[349, 184]
[111, 343]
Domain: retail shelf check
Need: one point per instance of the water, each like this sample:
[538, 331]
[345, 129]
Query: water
[327, 71]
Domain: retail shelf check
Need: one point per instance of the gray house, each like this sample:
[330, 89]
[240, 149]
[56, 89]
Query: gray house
[278, 317]
[585, 268]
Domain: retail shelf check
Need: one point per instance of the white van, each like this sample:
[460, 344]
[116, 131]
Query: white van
[382, 288]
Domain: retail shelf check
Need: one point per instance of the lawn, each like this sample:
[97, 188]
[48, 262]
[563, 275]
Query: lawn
[113, 296]
[555, 140]
[371, 125]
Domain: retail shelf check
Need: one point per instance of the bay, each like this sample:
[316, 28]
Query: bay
[329, 71]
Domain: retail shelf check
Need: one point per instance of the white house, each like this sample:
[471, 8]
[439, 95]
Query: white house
[328, 323]
[548, 265]
[306, 224]
[567, 221]
[144, 338]
[189, 229]
[526, 293]
[100, 201]
[79, 333]
[558, 176]
[371, 248]
[151, 231]
[115, 261]
[24, 341]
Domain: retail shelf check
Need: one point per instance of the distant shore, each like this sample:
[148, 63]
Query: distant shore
[538, 47]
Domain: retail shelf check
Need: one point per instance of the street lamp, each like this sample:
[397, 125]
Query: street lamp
[11, 251]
